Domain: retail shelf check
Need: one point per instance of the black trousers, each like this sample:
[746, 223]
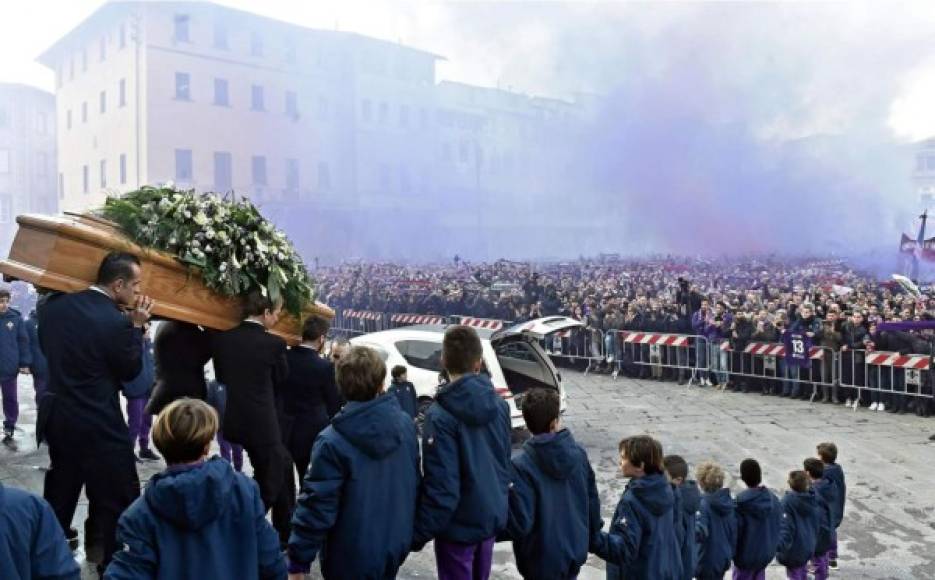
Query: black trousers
[272, 470]
[305, 428]
[106, 471]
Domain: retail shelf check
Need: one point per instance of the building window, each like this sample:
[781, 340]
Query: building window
[183, 165]
[103, 102]
[365, 111]
[103, 173]
[122, 36]
[292, 107]
[61, 186]
[256, 98]
[103, 48]
[180, 30]
[84, 60]
[84, 178]
[220, 35]
[384, 113]
[68, 119]
[292, 174]
[404, 116]
[259, 170]
[84, 112]
[322, 108]
[324, 176]
[222, 171]
[256, 44]
[6, 208]
[123, 93]
[183, 86]
[4, 160]
[220, 92]
[123, 169]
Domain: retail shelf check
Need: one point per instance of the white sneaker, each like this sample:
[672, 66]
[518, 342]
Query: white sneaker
[856, 404]
[847, 403]
[881, 407]
[873, 406]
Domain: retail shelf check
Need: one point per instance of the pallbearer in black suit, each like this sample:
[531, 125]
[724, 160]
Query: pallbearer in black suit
[310, 391]
[182, 350]
[92, 347]
[252, 363]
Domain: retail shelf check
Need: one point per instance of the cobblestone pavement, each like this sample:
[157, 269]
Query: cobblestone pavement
[889, 524]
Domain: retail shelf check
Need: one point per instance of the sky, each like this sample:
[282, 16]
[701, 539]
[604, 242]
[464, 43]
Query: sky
[758, 126]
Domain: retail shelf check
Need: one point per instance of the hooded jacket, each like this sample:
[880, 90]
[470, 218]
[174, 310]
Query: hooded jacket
[759, 517]
[14, 344]
[641, 543]
[717, 534]
[195, 522]
[835, 475]
[554, 507]
[141, 386]
[825, 493]
[39, 367]
[688, 502]
[800, 526]
[358, 500]
[465, 463]
[32, 545]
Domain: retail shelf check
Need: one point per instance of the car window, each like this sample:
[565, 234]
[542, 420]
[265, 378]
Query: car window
[517, 350]
[421, 354]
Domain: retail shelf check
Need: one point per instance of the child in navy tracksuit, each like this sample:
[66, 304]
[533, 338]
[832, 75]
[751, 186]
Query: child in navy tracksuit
[464, 499]
[759, 518]
[404, 391]
[717, 524]
[15, 358]
[642, 543]
[828, 453]
[687, 503]
[801, 524]
[554, 506]
[825, 492]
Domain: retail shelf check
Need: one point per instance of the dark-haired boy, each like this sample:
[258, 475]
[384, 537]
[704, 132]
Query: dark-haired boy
[463, 502]
[800, 527]
[687, 502]
[759, 517]
[825, 492]
[358, 500]
[15, 358]
[404, 391]
[828, 453]
[554, 506]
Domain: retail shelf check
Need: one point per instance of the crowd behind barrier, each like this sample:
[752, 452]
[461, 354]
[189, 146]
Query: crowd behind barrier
[718, 322]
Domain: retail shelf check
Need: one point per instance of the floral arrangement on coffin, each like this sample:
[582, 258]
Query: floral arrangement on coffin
[234, 248]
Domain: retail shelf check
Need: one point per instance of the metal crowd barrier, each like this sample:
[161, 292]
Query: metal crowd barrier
[760, 360]
[886, 373]
[661, 352]
[578, 345]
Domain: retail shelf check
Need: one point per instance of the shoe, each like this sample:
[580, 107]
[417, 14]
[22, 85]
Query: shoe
[71, 537]
[148, 455]
[873, 406]
[833, 564]
[8, 439]
[881, 407]
[847, 403]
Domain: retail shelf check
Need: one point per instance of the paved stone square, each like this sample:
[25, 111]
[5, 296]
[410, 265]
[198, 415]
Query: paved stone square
[889, 524]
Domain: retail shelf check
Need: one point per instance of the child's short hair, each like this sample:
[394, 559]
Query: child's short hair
[750, 472]
[710, 476]
[360, 374]
[798, 481]
[540, 408]
[643, 451]
[676, 467]
[398, 371]
[5, 293]
[461, 350]
[828, 452]
[184, 429]
[814, 467]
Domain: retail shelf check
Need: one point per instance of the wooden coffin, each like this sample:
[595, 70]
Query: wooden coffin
[63, 253]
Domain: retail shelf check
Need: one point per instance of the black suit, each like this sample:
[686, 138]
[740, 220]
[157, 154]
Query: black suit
[91, 348]
[252, 363]
[310, 398]
[182, 350]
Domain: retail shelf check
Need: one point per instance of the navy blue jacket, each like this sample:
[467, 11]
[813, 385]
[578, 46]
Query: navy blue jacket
[39, 367]
[759, 517]
[835, 475]
[826, 494]
[140, 387]
[466, 464]
[554, 507]
[801, 522]
[202, 521]
[32, 545]
[14, 344]
[358, 500]
[688, 502]
[405, 393]
[717, 534]
[642, 544]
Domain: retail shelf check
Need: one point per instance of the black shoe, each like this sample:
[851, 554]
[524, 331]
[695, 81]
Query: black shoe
[833, 564]
[148, 455]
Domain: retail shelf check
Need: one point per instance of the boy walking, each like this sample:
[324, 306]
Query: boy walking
[828, 453]
[759, 517]
[554, 506]
[463, 501]
[15, 358]
[404, 391]
[687, 503]
[800, 526]
[358, 499]
[825, 493]
[717, 524]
